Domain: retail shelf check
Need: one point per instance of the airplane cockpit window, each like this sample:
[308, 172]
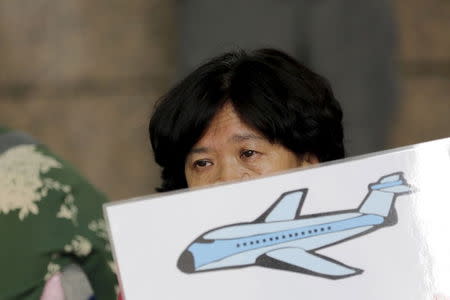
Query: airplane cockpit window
[202, 240]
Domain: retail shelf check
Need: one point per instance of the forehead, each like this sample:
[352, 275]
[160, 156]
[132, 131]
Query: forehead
[225, 126]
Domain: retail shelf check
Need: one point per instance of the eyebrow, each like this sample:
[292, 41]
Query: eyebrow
[235, 139]
[199, 150]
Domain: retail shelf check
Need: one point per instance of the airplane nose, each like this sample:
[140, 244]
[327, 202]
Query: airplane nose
[186, 262]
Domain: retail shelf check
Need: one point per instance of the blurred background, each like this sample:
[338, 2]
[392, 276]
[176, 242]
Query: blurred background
[82, 76]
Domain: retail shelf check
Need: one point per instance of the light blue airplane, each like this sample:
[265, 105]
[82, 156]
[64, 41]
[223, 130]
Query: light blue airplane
[281, 238]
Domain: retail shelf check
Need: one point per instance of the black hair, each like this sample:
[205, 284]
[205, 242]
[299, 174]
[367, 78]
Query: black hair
[269, 90]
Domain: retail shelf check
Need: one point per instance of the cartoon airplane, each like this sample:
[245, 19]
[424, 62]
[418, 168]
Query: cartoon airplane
[281, 238]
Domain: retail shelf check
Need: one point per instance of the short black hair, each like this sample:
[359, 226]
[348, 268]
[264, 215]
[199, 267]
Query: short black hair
[269, 90]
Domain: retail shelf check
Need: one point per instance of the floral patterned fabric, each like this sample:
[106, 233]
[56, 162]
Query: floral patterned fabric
[50, 217]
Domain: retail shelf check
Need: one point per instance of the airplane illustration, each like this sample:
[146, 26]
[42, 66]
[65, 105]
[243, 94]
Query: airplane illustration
[282, 238]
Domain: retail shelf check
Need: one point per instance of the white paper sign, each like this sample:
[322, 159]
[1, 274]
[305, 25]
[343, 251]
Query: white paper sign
[370, 227]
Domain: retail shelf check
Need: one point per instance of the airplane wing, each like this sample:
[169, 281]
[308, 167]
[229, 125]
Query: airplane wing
[299, 260]
[287, 207]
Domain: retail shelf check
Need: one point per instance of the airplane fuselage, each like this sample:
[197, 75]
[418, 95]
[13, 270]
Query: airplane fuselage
[242, 244]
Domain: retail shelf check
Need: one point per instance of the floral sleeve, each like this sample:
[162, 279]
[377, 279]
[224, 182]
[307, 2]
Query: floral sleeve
[50, 217]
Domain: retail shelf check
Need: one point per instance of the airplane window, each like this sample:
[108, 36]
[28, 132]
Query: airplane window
[329, 227]
[283, 236]
[251, 243]
[237, 245]
[309, 231]
[321, 229]
[264, 240]
[271, 239]
[257, 241]
[276, 238]
[290, 235]
[315, 230]
[245, 244]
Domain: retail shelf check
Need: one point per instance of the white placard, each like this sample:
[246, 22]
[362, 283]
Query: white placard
[370, 227]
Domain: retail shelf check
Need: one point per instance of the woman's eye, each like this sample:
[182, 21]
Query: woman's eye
[202, 163]
[248, 153]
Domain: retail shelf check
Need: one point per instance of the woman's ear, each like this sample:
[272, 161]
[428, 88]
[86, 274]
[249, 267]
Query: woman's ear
[307, 159]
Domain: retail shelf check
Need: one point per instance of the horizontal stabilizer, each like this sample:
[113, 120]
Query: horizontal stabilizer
[394, 183]
[390, 178]
[380, 200]
[299, 260]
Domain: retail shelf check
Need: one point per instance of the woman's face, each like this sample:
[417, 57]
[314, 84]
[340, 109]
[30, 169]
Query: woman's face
[230, 150]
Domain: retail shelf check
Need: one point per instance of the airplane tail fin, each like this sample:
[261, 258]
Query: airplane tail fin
[382, 194]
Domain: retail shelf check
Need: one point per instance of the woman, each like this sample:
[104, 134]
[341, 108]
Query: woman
[243, 115]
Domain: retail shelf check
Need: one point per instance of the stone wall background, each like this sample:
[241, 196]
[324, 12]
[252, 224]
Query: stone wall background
[82, 77]
[424, 69]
